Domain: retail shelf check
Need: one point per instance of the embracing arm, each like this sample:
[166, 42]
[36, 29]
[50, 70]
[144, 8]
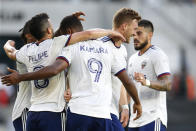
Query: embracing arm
[10, 49]
[93, 34]
[46, 72]
[162, 84]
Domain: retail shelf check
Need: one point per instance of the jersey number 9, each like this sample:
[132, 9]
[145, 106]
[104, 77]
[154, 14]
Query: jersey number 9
[95, 66]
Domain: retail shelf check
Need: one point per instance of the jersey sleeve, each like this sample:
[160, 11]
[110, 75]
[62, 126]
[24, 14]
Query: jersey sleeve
[67, 54]
[118, 63]
[161, 64]
[21, 54]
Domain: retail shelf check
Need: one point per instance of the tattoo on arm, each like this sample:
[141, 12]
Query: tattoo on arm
[162, 84]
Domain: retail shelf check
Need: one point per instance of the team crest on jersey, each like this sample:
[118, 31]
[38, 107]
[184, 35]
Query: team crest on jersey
[144, 63]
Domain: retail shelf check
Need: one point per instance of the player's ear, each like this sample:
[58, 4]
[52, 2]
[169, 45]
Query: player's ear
[150, 34]
[69, 31]
[49, 30]
[124, 26]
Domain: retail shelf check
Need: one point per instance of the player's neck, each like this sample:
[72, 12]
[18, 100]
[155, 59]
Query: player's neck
[117, 42]
[142, 51]
[43, 39]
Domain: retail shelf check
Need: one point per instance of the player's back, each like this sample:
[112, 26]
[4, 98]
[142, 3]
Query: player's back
[47, 94]
[92, 63]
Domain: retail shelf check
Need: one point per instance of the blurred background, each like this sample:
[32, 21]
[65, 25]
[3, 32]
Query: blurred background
[174, 23]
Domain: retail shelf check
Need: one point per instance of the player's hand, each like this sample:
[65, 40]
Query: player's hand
[124, 117]
[67, 95]
[116, 36]
[78, 15]
[137, 108]
[139, 77]
[9, 46]
[11, 79]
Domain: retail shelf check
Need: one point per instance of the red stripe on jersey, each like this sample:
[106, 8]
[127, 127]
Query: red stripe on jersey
[63, 58]
[163, 74]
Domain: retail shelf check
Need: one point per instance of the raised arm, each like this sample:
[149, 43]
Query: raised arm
[10, 50]
[162, 84]
[46, 72]
[131, 89]
[94, 34]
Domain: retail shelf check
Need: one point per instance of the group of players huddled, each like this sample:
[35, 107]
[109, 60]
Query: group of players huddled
[77, 80]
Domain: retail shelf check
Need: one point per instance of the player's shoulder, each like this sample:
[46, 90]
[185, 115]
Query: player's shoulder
[60, 37]
[157, 52]
[107, 40]
[27, 46]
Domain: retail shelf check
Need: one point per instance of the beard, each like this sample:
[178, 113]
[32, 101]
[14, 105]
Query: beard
[142, 45]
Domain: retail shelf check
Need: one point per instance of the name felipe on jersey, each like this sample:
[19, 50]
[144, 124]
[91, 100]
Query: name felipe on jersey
[93, 49]
[38, 57]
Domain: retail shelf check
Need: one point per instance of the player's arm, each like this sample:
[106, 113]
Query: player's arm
[46, 72]
[131, 89]
[124, 107]
[123, 96]
[94, 34]
[10, 49]
[162, 84]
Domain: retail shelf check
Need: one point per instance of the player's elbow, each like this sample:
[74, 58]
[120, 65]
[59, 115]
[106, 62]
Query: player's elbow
[54, 72]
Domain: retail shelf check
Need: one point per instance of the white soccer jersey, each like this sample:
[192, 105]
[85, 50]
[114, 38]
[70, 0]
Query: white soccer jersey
[91, 64]
[47, 94]
[23, 94]
[153, 64]
[116, 83]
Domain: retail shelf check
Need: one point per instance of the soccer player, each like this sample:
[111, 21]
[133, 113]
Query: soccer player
[90, 65]
[125, 21]
[22, 103]
[47, 102]
[149, 68]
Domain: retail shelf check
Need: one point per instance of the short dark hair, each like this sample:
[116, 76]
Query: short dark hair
[25, 30]
[38, 25]
[69, 22]
[146, 24]
[124, 15]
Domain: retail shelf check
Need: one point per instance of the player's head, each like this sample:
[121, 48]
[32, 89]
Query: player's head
[41, 27]
[26, 35]
[126, 22]
[143, 34]
[70, 24]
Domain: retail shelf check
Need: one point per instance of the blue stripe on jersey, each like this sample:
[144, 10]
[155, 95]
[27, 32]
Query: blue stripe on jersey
[63, 58]
[163, 74]
[106, 39]
[120, 71]
[68, 40]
